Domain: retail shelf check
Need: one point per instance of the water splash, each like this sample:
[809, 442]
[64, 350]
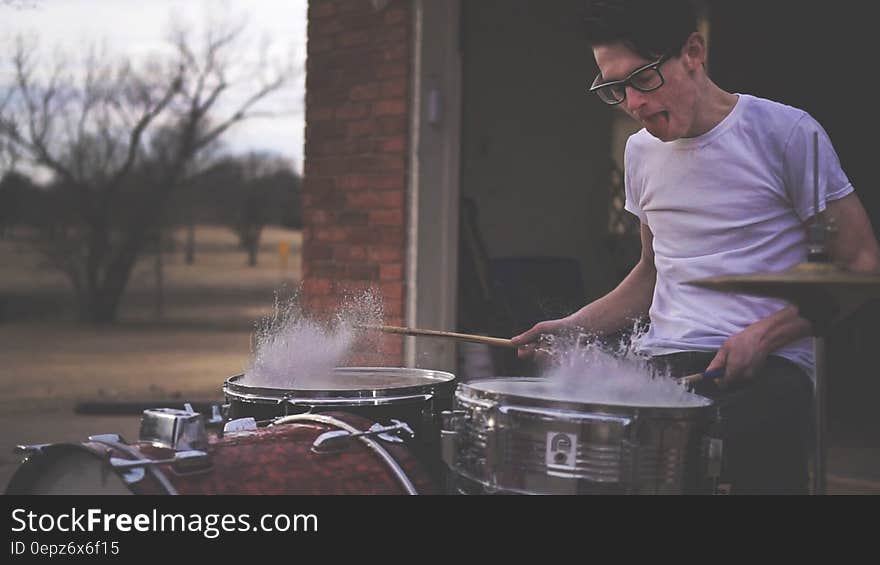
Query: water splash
[588, 370]
[293, 347]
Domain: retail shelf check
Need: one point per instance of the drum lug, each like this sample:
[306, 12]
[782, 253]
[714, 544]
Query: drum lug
[103, 438]
[285, 402]
[336, 441]
[218, 415]
[217, 421]
[496, 441]
[629, 468]
[713, 452]
[451, 421]
[714, 449]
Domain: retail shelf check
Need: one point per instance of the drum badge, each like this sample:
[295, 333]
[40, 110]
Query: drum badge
[561, 450]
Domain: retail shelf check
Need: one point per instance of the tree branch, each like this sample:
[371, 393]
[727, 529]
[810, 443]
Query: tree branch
[136, 133]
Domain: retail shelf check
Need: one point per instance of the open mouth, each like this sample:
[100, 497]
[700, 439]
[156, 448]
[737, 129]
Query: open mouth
[653, 118]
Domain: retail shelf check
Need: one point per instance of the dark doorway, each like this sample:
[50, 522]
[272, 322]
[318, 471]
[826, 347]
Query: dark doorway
[534, 168]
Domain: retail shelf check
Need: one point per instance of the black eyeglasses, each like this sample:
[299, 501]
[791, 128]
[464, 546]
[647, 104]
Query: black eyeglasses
[643, 79]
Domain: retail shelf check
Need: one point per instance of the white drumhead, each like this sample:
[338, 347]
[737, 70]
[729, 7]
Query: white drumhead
[671, 395]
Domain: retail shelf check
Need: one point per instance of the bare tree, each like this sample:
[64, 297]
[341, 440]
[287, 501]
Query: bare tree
[119, 141]
[250, 192]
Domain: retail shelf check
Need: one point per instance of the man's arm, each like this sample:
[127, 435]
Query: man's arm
[743, 354]
[628, 301]
[853, 247]
[616, 310]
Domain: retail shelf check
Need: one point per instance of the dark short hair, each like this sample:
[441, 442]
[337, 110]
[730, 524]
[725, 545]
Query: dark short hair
[651, 28]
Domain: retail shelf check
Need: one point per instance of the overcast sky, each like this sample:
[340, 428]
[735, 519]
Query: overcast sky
[136, 28]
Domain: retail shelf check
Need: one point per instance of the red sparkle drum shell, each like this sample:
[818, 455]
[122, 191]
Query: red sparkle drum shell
[267, 461]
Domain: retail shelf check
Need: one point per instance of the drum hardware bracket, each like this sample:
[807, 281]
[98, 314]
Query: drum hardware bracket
[30, 449]
[289, 400]
[131, 475]
[240, 425]
[115, 441]
[336, 441]
[284, 400]
[182, 459]
[180, 430]
[397, 428]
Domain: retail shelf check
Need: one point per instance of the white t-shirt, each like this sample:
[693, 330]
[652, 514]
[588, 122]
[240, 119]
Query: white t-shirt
[731, 201]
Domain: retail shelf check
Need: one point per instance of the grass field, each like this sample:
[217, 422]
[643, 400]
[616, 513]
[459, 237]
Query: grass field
[50, 362]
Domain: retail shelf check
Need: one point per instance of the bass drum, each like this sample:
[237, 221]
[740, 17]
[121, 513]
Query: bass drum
[286, 458]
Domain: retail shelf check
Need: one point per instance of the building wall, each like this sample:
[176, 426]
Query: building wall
[356, 146]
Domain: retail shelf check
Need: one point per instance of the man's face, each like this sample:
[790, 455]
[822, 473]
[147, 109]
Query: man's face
[668, 112]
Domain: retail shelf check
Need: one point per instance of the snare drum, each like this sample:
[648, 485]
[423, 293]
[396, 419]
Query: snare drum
[414, 396]
[304, 454]
[518, 435]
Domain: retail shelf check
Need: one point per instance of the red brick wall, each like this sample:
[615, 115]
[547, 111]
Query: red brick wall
[356, 146]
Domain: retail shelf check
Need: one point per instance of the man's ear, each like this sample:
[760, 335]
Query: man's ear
[693, 52]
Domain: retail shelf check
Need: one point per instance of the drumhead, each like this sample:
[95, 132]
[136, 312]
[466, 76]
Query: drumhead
[66, 469]
[349, 382]
[543, 392]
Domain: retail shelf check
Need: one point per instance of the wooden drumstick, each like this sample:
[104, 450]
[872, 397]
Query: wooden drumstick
[497, 341]
[697, 377]
[691, 379]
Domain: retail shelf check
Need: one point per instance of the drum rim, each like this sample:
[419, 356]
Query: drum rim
[29, 471]
[250, 393]
[469, 391]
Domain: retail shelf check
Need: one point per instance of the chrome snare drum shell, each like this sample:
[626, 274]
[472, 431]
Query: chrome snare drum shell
[502, 437]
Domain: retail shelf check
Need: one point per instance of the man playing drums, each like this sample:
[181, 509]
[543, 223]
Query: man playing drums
[722, 184]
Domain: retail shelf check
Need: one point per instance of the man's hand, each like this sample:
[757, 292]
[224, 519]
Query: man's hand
[741, 356]
[530, 344]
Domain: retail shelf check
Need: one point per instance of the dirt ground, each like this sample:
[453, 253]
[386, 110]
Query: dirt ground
[50, 363]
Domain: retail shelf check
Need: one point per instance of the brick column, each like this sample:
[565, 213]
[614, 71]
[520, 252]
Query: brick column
[356, 147]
